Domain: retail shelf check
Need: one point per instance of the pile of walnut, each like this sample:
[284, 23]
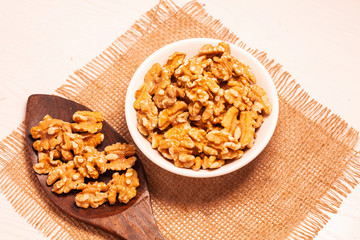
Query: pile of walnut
[201, 111]
[67, 152]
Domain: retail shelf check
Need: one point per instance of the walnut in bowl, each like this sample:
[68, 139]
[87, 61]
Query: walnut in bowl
[201, 104]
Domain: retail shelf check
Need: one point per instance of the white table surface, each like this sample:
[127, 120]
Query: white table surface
[42, 42]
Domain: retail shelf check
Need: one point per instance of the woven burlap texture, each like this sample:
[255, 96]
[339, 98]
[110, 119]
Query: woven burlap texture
[303, 174]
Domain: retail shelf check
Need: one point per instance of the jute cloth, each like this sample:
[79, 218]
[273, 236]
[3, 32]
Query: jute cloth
[285, 193]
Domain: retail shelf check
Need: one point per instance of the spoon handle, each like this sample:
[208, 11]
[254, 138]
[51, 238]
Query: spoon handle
[137, 222]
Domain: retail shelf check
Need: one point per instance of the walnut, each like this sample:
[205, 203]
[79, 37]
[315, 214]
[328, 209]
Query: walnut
[46, 162]
[48, 131]
[208, 114]
[231, 154]
[212, 162]
[176, 142]
[147, 116]
[191, 70]
[241, 69]
[221, 141]
[195, 108]
[179, 133]
[202, 89]
[142, 95]
[116, 155]
[91, 163]
[152, 77]
[196, 65]
[219, 103]
[125, 149]
[222, 68]
[155, 140]
[197, 164]
[174, 61]
[125, 185]
[87, 121]
[181, 118]
[237, 96]
[210, 151]
[200, 112]
[216, 137]
[92, 140]
[65, 178]
[169, 115]
[166, 98]
[93, 194]
[165, 93]
[260, 96]
[259, 119]
[211, 50]
[51, 133]
[183, 75]
[198, 136]
[182, 156]
[66, 155]
[230, 122]
[247, 129]
[181, 143]
[72, 142]
[55, 153]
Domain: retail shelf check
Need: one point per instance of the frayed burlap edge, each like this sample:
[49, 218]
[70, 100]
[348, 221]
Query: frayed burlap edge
[288, 91]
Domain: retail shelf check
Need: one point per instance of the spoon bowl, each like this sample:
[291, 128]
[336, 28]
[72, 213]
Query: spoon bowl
[127, 221]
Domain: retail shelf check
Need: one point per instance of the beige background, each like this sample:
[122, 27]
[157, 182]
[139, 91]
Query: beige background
[42, 42]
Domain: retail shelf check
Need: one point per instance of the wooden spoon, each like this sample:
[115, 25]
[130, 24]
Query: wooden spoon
[131, 221]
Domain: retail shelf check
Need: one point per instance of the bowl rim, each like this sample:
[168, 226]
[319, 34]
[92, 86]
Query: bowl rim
[148, 151]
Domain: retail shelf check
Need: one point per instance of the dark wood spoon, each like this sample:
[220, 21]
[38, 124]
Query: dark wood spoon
[131, 221]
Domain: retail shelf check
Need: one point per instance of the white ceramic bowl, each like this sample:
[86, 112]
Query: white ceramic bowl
[191, 47]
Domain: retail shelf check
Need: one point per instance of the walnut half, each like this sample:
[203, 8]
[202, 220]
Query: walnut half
[93, 194]
[125, 185]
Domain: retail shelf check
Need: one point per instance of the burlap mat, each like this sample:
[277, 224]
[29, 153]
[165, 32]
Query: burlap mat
[304, 173]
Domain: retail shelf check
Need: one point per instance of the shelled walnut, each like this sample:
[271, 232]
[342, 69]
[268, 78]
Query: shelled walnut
[65, 178]
[120, 156]
[67, 153]
[90, 163]
[48, 132]
[202, 111]
[87, 122]
[46, 162]
[123, 185]
[93, 194]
